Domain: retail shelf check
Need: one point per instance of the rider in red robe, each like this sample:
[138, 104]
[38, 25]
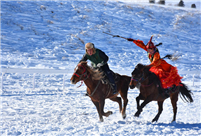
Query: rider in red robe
[167, 73]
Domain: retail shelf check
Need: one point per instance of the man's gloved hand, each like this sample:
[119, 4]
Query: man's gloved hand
[130, 39]
[100, 65]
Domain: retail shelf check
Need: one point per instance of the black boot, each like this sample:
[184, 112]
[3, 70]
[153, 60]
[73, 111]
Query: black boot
[114, 88]
[112, 82]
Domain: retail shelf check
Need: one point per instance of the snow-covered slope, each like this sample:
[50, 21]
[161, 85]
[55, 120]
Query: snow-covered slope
[51, 35]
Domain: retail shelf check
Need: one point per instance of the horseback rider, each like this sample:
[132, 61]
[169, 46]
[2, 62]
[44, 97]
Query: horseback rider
[167, 73]
[99, 61]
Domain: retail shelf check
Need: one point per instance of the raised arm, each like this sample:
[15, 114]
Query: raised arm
[139, 43]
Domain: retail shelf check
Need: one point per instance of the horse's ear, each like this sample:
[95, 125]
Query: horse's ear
[84, 63]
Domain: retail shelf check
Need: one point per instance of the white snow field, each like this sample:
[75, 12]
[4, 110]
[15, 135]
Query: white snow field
[42, 42]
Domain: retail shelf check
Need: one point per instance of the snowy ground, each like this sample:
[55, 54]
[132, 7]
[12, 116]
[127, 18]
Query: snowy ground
[50, 35]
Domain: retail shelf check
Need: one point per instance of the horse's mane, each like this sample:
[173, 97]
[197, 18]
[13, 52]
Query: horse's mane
[144, 68]
[95, 73]
[152, 76]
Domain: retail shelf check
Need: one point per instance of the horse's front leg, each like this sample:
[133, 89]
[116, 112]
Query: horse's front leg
[98, 109]
[101, 108]
[146, 101]
[174, 99]
[160, 109]
[140, 97]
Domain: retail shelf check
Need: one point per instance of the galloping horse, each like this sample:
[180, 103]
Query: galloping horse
[98, 91]
[150, 90]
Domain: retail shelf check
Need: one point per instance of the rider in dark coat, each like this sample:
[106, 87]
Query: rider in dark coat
[99, 60]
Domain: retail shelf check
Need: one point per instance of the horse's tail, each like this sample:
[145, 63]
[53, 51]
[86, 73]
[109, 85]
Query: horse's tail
[186, 93]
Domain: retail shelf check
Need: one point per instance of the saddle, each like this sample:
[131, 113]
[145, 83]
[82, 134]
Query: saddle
[105, 80]
[166, 92]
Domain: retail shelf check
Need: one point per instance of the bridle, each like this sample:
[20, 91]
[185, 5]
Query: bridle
[84, 74]
[140, 80]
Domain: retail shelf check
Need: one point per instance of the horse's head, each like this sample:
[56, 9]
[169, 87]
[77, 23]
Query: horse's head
[137, 76]
[80, 73]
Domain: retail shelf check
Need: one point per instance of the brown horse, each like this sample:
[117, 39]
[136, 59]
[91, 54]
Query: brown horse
[150, 90]
[98, 91]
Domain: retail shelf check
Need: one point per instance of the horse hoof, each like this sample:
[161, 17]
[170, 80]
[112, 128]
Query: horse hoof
[173, 121]
[154, 120]
[124, 116]
[101, 120]
[136, 114]
[107, 113]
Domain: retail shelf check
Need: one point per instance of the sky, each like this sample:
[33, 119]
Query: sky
[42, 42]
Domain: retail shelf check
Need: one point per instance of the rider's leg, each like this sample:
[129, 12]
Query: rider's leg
[111, 79]
[108, 72]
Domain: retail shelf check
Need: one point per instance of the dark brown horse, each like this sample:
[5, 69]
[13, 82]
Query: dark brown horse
[98, 91]
[150, 90]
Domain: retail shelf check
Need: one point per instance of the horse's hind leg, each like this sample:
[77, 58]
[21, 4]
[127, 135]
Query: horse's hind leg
[174, 99]
[123, 112]
[118, 100]
[125, 102]
[160, 109]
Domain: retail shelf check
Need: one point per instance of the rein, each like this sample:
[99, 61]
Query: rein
[147, 85]
[141, 79]
[94, 89]
[86, 76]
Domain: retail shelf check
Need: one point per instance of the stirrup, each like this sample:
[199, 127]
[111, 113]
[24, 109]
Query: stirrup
[104, 81]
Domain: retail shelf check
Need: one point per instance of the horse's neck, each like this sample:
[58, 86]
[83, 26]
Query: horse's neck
[91, 84]
[146, 80]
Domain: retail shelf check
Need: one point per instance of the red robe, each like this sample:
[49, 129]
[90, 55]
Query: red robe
[167, 73]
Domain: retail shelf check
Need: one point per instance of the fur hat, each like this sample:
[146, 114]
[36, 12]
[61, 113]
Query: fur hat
[90, 46]
[150, 44]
